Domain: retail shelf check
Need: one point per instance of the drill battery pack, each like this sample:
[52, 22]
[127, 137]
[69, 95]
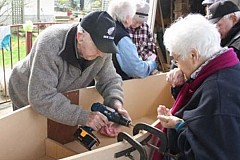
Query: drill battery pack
[85, 136]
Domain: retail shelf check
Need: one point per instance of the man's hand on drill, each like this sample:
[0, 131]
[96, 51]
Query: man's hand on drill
[112, 129]
[119, 108]
[96, 120]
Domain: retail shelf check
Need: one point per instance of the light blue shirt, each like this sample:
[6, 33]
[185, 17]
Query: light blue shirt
[130, 62]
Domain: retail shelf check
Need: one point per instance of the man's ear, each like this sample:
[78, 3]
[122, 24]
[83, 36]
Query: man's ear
[79, 36]
[234, 18]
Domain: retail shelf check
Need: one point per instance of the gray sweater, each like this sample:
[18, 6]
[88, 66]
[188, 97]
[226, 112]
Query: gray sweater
[52, 68]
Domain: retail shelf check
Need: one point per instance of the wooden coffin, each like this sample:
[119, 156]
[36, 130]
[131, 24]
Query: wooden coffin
[27, 135]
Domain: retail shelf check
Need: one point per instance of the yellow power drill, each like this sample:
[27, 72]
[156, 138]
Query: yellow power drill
[84, 133]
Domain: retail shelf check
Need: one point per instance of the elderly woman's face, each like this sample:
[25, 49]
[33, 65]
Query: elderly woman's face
[135, 23]
[86, 47]
[187, 64]
[128, 22]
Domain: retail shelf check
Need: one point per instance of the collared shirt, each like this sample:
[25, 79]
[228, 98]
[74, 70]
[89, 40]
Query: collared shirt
[143, 39]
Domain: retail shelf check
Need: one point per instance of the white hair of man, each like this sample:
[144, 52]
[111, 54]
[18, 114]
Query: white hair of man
[121, 9]
[237, 14]
[192, 32]
[79, 28]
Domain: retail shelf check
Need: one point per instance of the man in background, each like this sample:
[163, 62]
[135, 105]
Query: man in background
[207, 4]
[226, 16]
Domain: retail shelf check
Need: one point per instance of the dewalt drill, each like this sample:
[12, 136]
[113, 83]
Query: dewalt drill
[84, 133]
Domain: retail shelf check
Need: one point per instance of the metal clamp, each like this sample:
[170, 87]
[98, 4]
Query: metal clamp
[155, 131]
[135, 146]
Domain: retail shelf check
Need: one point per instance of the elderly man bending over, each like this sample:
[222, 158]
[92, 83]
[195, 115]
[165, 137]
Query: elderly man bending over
[67, 57]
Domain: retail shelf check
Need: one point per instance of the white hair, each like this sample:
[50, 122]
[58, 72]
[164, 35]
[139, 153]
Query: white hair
[192, 32]
[121, 9]
[237, 14]
[79, 28]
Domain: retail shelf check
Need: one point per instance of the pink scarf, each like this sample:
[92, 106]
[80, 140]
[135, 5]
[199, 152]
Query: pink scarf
[225, 60]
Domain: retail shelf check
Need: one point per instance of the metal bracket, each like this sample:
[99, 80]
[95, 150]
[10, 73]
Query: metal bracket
[135, 146]
[154, 131]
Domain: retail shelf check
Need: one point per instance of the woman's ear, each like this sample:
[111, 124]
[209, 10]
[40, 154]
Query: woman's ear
[195, 55]
[128, 21]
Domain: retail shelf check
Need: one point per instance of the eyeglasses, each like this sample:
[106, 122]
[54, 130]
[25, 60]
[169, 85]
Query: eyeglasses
[175, 60]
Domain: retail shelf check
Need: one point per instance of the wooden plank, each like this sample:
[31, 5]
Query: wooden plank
[104, 141]
[161, 59]
[56, 150]
[46, 158]
[22, 135]
[142, 97]
[60, 132]
[108, 152]
[152, 14]
[24, 131]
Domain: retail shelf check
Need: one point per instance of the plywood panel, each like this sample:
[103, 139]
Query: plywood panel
[142, 97]
[22, 135]
[23, 132]
[104, 140]
[108, 152]
[56, 150]
[60, 132]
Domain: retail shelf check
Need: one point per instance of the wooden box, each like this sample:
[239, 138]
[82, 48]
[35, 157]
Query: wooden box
[27, 135]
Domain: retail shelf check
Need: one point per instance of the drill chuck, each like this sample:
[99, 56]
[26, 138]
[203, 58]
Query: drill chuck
[111, 114]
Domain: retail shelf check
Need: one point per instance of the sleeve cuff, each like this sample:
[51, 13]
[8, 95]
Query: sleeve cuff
[179, 125]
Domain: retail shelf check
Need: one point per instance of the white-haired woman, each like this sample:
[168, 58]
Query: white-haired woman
[127, 62]
[208, 104]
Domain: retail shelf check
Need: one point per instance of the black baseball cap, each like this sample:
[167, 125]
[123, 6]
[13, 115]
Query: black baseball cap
[221, 8]
[101, 27]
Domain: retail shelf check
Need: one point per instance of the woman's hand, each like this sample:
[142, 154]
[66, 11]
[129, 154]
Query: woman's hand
[167, 120]
[175, 77]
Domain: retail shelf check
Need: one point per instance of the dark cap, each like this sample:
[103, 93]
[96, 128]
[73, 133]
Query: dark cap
[101, 27]
[219, 9]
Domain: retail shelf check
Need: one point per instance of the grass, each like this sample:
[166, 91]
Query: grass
[17, 53]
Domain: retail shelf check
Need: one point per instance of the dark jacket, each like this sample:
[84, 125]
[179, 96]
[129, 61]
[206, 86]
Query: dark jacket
[232, 40]
[212, 119]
